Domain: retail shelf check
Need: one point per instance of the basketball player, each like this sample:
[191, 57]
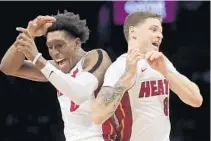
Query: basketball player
[138, 83]
[76, 74]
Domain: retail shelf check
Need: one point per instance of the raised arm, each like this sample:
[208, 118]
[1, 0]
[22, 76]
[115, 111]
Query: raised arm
[30, 71]
[186, 90]
[118, 79]
[14, 63]
[108, 99]
[81, 87]
[12, 60]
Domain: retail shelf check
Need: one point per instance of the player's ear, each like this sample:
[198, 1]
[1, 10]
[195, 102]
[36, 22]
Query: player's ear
[132, 32]
[77, 42]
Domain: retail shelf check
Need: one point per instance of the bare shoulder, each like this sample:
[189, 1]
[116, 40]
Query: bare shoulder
[97, 54]
[97, 62]
[95, 59]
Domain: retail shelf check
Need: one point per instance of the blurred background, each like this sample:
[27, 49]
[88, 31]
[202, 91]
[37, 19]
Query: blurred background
[30, 111]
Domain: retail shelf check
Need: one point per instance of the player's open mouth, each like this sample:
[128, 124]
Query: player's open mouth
[60, 62]
[156, 44]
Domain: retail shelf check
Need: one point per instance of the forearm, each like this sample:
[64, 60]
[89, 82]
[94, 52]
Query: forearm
[77, 89]
[108, 100]
[12, 60]
[187, 91]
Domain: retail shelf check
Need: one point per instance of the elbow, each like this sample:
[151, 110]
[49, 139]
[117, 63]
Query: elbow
[197, 102]
[199, 99]
[97, 115]
[5, 69]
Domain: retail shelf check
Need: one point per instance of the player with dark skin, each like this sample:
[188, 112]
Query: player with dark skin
[65, 33]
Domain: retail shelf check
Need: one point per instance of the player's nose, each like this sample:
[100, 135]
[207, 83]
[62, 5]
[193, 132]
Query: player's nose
[160, 35]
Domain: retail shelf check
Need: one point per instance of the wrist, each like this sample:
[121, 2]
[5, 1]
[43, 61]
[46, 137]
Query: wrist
[167, 75]
[32, 36]
[128, 76]
[34, 58]
[128, 80]
[41, 62]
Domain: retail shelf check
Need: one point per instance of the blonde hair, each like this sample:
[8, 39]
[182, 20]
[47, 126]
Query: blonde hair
[137, 17]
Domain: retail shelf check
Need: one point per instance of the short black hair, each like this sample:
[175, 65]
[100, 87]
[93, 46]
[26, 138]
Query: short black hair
[71, 23]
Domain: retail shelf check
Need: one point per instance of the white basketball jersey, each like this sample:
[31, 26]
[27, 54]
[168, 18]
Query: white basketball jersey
[77, 118]
[148, 99]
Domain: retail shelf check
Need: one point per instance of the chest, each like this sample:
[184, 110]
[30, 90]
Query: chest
[149, 84]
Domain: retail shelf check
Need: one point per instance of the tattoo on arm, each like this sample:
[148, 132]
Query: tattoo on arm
[115, 95]
[111, 97]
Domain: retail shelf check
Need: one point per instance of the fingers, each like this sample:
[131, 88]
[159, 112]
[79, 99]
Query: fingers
[20, 46]
[22, 43]
[47, 25]
[24, 37]
[133, 52]
[134, 55]
[137, 58]
[148, 55]
[25, 31]
[151, 56]
[17, 46]
[39, 25]
[46, 18]
[32, 24]
[157, 55]
[41, 20]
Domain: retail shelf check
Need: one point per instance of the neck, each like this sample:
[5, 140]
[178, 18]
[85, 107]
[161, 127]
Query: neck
[137, 46]
[132, 45]
[79, 54]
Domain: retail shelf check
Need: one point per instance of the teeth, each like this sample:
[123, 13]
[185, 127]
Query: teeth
[60, 60]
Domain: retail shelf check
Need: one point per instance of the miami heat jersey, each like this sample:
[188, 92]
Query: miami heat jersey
[148, 99]
[77, 118]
